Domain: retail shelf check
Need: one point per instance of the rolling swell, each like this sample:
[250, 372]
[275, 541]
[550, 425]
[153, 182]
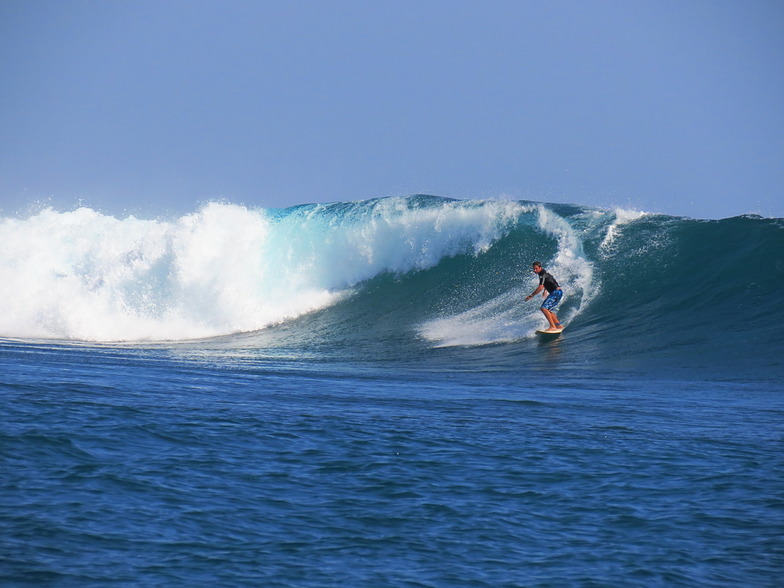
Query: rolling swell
[693, 292]
[404, 277]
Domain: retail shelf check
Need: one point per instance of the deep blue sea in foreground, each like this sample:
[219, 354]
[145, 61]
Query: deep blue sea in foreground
[353, 394]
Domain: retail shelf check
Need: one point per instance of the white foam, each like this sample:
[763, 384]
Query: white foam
[224, 269]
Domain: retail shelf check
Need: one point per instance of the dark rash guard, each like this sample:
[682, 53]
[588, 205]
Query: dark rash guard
[549, 282]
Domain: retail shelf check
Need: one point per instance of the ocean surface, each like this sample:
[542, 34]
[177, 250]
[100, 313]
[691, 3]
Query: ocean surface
[353, 394]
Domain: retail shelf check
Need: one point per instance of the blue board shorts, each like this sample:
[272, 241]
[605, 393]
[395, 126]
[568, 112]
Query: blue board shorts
[552, 300]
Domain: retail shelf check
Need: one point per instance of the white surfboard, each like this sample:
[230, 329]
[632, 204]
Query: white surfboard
[556, 332]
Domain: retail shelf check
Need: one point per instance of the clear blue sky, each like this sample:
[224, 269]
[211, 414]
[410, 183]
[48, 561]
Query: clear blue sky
[152, 107]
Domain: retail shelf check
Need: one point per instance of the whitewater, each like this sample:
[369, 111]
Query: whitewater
[222, 270]
[353, 394]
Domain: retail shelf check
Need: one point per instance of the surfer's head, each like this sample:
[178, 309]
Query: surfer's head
[537, 265]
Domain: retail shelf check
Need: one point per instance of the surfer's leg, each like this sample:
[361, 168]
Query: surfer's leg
[550, 317]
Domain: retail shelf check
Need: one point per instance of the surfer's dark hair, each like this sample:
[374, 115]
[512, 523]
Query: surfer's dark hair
[539, 263]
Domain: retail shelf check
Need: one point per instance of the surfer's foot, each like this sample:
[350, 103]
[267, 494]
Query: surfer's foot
[558, 326]
[551, 329]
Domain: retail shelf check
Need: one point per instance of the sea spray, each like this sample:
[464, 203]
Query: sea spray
[505, 317]
[622, 217]
[574, 270]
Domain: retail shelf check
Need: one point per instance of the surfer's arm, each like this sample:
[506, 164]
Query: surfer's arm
[535, 292]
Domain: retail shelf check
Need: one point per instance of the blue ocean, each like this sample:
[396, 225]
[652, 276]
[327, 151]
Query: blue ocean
[353, 394]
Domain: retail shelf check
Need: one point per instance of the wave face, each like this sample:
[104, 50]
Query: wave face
[401, 276]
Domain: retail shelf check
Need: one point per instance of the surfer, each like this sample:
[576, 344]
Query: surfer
[553, 293]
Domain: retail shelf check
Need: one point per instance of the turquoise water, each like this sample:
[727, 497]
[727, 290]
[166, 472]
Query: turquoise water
[386, 416]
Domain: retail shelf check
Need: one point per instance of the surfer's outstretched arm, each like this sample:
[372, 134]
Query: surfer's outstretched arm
[535, 292]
